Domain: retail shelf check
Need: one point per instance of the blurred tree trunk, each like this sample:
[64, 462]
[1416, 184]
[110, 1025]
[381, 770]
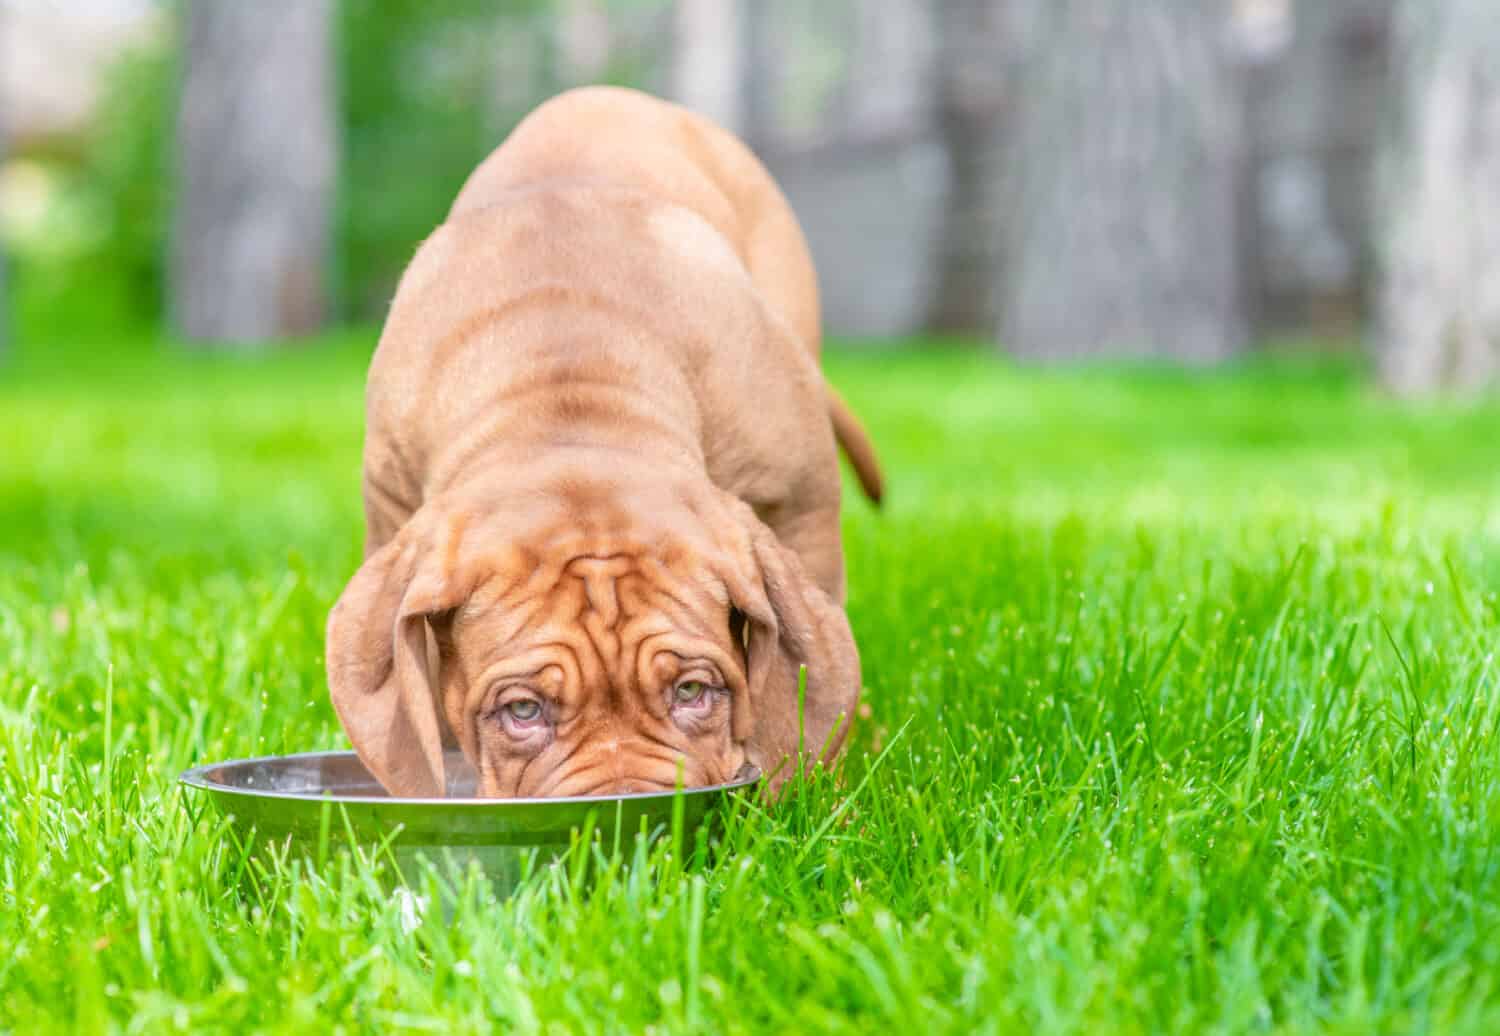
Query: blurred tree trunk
[758, 78]
[972, 68]
[255, 165]
[706, 55]
[1440, 287]
[1316, 87]
[886, 92]
[584, 40]
[1124, 229]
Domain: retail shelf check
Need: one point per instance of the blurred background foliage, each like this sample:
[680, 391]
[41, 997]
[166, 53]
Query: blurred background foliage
[416, 110]
[89, 254]
[416, 106]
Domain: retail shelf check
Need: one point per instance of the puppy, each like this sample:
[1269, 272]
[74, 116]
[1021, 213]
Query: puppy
[601, 480]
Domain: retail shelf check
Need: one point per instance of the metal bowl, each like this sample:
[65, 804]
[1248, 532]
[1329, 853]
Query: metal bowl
[317, 798]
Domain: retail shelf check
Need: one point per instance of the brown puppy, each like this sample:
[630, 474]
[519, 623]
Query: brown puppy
[600, 480]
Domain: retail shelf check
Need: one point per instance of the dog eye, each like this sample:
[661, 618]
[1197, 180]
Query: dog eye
[690, 693]
[524, 710]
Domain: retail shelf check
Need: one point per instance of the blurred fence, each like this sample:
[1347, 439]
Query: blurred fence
[845, 102]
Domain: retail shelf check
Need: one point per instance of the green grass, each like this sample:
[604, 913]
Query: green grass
[1186, 691]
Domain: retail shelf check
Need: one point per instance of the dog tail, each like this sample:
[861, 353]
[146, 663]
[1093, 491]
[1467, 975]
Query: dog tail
[856, 444]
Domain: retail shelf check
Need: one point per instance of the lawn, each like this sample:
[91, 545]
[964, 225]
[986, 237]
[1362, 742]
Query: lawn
[1184, 716]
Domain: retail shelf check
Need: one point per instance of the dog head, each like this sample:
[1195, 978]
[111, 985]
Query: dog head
[588, 637]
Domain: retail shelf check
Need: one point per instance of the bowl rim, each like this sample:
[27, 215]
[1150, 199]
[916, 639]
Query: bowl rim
[197, 777]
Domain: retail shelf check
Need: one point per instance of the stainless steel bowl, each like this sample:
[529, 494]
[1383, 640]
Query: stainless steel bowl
[317, 799]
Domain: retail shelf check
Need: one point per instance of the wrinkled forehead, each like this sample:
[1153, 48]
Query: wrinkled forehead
[616, 595]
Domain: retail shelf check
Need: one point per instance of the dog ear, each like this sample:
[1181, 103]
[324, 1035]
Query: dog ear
[378, 668]
[792, 623]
